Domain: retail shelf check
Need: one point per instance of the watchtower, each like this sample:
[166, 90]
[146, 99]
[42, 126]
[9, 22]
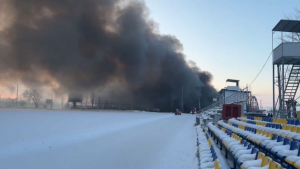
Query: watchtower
[286, 63]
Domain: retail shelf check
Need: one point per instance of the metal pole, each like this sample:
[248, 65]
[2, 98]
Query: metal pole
[198, 98]
[279, 87]
[98, 102]
[17, 94]
[198, 90]
[274, 107]
[283, 91]
[182, 99]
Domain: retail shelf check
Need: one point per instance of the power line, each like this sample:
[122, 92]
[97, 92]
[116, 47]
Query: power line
[297, 98]
[263, 91]
[261, 69]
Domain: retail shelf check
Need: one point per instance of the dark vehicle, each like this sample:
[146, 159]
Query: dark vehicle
[193, 110]
[177, 112]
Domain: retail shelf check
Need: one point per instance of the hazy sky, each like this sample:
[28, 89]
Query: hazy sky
[229, 38]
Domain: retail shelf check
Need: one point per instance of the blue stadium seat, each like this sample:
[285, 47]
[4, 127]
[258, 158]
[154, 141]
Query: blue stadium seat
[291, 159]
[285, 146]
[264, 143]
[282, 154]
[278, 126]
[297, 122]
[241, 152]
[292, 122]
[272, 143]
[247, 157]
[236, 148]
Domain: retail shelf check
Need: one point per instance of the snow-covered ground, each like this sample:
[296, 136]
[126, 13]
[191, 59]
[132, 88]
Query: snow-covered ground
[95, 140]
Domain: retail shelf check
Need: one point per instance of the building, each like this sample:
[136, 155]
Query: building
[233, 94]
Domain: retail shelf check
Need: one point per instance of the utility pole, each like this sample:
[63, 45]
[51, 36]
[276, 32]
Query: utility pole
[260, 105]
[62, 101]
[182, 99]
[17, 94]
[98, 102]
[198, 88]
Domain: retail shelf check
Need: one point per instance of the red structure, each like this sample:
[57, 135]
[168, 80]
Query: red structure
[230, 111]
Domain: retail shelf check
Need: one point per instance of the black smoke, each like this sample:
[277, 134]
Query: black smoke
[109, 47]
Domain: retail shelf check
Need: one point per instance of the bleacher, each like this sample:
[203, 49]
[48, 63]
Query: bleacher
[206, 153]
[257, 142]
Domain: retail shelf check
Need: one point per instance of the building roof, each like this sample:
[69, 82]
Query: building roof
[287, 26]
[223, 90]
[232, 80]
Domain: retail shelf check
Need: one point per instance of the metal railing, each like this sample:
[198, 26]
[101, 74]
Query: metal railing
[240, 97]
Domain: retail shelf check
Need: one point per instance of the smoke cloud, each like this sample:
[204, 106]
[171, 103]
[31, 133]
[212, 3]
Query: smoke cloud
[109, 47]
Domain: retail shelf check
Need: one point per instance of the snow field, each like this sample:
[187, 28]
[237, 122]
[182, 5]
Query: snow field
[85, 139]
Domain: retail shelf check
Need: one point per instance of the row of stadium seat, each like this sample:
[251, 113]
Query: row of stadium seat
[207, 156]
[245, 154]
[277, 146]
[271, 120]
[289, 131]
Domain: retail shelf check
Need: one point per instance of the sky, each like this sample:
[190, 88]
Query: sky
[232, 39]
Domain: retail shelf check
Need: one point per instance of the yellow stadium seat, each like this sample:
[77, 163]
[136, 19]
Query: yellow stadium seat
[259, 156]
[293, 128]
[274, 165]
[284, 121]
[258, 132]
[284, 127]
[266, 161]
[297, 165]
[264, 133]
[269, 135]
[217, 165]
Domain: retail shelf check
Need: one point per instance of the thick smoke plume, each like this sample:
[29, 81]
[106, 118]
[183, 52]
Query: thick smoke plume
[109, 47]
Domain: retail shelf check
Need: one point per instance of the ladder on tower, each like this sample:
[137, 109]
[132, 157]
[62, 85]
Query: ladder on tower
[292, 83]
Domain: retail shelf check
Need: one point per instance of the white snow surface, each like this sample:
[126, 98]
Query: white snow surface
[94, 140]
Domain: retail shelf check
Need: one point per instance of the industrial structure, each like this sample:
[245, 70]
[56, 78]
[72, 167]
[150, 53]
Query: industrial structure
[286, 64]
[74, 98]
[233, 94]
[236, 95]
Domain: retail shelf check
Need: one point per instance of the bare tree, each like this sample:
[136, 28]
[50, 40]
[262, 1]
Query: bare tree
[293, 37]
[93, 99]
[32, 94]
[85, 100]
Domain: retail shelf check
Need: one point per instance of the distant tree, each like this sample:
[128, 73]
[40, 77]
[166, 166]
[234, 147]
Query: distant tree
[93, 99]
[293, 37]
[32, 94]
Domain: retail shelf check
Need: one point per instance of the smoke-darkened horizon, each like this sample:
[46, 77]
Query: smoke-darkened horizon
[109, 47]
